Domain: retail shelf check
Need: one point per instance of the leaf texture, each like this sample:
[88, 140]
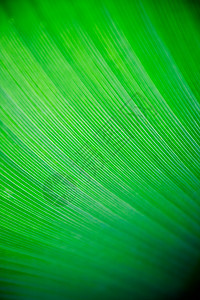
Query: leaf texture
[100, 182]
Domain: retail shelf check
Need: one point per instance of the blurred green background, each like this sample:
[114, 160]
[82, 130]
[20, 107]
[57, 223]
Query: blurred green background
[100, 182]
